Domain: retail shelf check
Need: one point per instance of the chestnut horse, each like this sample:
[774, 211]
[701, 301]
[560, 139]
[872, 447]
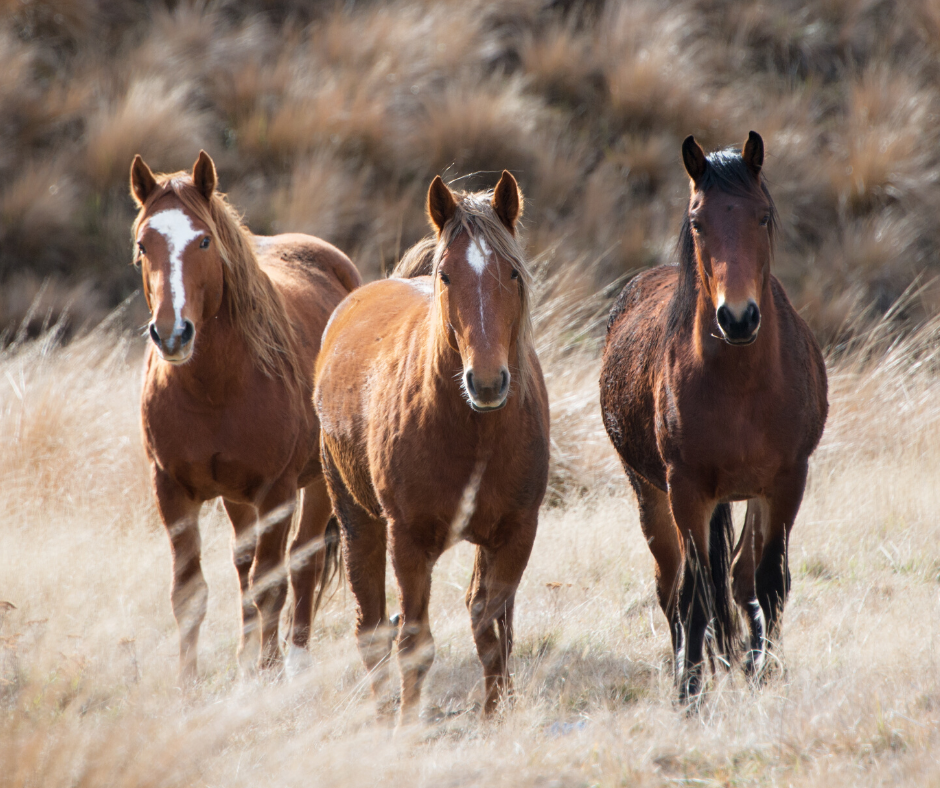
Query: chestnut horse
[434, 422]
[226, 405]
[713, 390]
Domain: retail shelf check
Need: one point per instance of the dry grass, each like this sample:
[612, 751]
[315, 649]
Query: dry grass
[88, 655]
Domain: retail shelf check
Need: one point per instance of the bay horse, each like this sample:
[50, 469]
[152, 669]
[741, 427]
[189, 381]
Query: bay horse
[434, 429]
[713, 390]
[226, 406]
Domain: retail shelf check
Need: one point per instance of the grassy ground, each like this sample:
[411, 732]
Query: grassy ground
[88, 656]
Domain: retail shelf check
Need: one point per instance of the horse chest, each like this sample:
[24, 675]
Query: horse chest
[229, 450]
[460, 481]
[739, 442]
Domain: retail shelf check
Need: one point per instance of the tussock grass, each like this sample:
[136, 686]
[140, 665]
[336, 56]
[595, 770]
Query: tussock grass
[586, 102]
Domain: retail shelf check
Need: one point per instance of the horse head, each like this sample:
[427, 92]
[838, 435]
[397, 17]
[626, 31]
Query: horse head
[731, 220]
[479, 285]
[178, 256]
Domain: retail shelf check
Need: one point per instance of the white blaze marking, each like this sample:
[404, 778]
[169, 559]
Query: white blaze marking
[478, 253]
[177, 228]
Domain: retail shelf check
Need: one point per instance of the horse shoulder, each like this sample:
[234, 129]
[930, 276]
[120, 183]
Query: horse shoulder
[632, 370]
[805, 365]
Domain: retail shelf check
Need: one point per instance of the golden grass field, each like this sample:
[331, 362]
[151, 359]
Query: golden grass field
[88, 657]
[332, 118]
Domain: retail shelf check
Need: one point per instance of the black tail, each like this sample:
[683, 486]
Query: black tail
[724, 612]
[332, 563]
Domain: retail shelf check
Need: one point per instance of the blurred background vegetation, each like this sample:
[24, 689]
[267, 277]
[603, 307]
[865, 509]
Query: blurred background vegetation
[332, 117]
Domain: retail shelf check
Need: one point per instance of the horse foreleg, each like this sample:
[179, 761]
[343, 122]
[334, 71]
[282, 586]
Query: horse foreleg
[244, 518]
[743, 585]
[268, 577]
[308, 553]
[692, 514]
[189, 595]
[772, 577]
[491, 600]
[664, 543]
[412, 564]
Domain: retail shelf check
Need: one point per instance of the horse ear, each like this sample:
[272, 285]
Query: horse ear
[441, 204]
[142, 181]
[204, 176]
[694, 159]
[507, 201]
[753, 153]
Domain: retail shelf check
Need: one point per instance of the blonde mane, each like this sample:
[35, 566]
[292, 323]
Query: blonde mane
[475, 216]
[255, 306]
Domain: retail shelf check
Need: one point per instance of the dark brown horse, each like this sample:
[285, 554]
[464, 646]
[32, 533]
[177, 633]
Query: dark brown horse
[713, 390]
[434, 422]
[226, 403]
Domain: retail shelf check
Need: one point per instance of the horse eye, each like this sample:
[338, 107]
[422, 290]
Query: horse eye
[204, 244]
[765, 220]
[696, 227]
[445, 278]
[514, 274]
[140, 248]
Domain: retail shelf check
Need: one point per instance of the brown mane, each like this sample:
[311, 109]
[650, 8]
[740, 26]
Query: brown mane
[475, 216]
[255, 306]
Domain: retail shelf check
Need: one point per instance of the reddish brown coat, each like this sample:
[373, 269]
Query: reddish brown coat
[411, 463]
[226, 406]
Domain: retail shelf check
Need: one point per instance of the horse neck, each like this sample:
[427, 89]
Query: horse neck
[730, 361]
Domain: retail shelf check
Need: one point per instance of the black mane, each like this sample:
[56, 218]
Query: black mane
[726, 172]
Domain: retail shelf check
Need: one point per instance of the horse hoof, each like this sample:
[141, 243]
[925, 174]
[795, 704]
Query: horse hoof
[298, 661]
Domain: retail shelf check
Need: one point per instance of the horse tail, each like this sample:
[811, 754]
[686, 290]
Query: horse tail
[332, 563]
[720, 549]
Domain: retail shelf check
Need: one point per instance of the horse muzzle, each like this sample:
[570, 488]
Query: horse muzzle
[484, 394]
[177, 346]
[739, 327]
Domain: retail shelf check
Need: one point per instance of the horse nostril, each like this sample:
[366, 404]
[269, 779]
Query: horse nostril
[724, 318]
[187, 333]
[154, 335]
[470, 388]
[752, 316]
[504, 381]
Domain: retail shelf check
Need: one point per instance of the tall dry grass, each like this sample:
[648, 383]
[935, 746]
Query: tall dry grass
[88, 654]
[332, 118]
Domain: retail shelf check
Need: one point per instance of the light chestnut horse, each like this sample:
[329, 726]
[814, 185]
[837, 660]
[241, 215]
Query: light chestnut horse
[434, 429]
[226, 405]
[713, 390]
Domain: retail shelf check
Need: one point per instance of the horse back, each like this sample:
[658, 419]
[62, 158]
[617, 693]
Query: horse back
[636, 336]
[312, 277]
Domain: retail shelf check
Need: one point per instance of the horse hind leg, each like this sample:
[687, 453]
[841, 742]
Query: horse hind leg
[190, 593]
[491, 601]
[314, 560]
